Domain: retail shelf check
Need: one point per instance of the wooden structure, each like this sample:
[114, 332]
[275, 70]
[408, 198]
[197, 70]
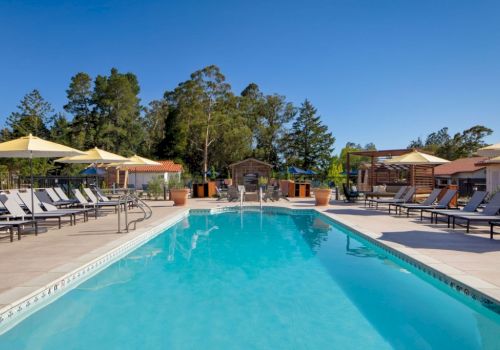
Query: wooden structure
[204, 190]
[248, 171]
[379, 173]
[299, 189]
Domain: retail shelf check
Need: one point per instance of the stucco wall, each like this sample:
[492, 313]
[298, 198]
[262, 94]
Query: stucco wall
[492, 177]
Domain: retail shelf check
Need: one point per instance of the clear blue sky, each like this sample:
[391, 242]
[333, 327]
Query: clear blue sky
[383, 71]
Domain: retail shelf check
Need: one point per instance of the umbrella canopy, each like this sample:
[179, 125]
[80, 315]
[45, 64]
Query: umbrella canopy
[94, 155]
[490, 151]
[310, 172]
[135, 160]
[93, 171]
[296, 171]
[416, 158]
[34, 147]
[495, 160]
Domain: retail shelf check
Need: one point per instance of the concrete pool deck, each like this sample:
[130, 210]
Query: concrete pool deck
[32, 263]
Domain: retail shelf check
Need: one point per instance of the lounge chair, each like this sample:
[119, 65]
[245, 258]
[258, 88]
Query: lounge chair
[93, 199]
[406, 198]
[59, 191]
[86, 204]
[471, 207]
[42, 199]
[10, 225]
[493, 224]
[56, 200]
[488, 214]
[431, 198]
[350, 196]
[443, 203]
[15, 211]
[26, 198]
[398, 195]
[233, 194]
[220, 194]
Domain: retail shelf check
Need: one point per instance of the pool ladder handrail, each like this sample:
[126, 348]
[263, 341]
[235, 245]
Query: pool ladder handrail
[260, 197]
[132, 199]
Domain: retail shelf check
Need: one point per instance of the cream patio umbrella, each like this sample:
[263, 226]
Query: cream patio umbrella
[94, 156]
[490, 151]
[414, 158]
[136, 160]
[34, 147]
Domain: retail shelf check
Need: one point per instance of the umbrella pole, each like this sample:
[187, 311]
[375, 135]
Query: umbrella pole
[135, 179]
[32, 189]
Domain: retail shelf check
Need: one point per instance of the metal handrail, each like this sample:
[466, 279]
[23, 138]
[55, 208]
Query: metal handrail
[125, 200]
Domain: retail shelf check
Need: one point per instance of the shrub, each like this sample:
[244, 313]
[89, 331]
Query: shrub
[155, 187]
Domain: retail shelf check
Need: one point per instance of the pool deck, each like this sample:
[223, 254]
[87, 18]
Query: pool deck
[34, 262]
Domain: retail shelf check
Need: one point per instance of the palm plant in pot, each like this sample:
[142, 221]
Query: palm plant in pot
[322, 194]
[178, 192]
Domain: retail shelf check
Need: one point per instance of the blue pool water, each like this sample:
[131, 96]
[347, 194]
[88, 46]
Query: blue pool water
[257, 281]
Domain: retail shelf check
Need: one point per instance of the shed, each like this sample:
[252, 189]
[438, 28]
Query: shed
[247, 173]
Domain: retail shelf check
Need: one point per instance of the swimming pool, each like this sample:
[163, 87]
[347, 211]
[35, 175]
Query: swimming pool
[258, 280]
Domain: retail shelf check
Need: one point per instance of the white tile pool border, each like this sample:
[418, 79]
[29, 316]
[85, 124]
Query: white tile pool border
[14, 313]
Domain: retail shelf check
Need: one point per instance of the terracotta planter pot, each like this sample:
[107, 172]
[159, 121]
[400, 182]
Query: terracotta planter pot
[179, 196]
[322, 196]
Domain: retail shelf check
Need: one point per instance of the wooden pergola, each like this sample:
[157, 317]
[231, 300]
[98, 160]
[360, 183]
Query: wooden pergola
[420, 176]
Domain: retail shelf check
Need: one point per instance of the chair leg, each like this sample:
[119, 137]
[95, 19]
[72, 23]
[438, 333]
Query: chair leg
[468, 226]
[59, 222]
[11, 231]
[491, 231]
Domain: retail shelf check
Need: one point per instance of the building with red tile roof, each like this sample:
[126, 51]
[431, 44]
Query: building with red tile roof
[467, 173]
[167, 166]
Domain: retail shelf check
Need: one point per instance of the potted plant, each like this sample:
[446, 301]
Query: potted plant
[322, 194]
[178, 192]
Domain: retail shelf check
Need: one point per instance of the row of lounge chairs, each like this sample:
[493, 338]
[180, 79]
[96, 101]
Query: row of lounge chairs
[18, 209]
[402, 202]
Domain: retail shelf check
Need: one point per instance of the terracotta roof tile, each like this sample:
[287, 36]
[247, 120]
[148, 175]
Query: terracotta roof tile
[167, 166]
[462, 165]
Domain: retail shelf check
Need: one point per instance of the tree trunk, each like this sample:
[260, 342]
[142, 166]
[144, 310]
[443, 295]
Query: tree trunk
[205, 149]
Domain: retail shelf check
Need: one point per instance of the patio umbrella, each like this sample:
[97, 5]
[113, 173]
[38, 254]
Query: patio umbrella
[93, 171]
[295, 171]
[490, 151]
[94, 155]
[309, 172]
[416, 158]
[34, 147]
[138, 160]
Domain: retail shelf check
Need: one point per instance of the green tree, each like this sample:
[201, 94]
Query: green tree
[84, 124]
[335, 170]
[32, 116]
[274, 115]
[309, 143]
[202, 104]
[118, 109]
[460, 145]
[154, 123]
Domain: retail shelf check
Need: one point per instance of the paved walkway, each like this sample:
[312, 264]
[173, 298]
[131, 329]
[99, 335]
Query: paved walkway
[33, 262]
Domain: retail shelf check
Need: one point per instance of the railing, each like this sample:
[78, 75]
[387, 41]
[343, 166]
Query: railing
[131, 199]
[260, 197]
